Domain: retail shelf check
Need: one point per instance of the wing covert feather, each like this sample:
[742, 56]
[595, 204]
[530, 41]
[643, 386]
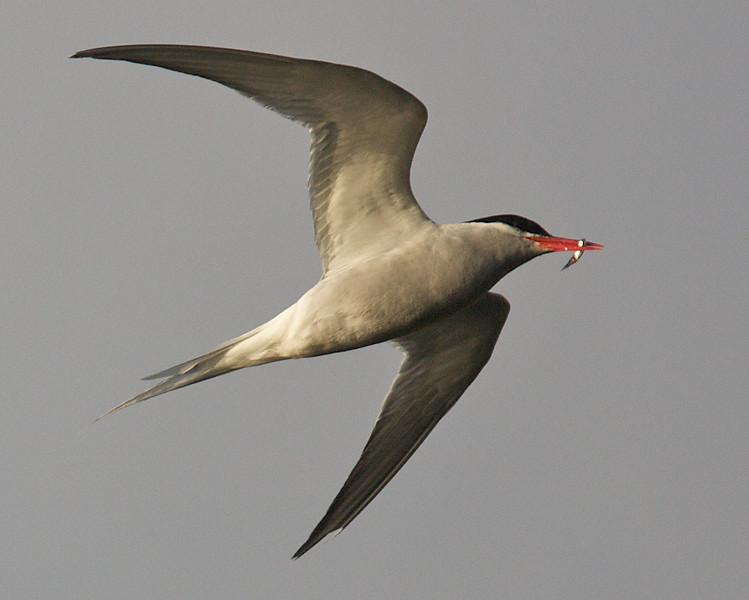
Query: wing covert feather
[441, 360]
[364, 134]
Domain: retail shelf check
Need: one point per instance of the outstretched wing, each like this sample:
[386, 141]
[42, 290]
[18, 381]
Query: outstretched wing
[442, 360]
[364, 134]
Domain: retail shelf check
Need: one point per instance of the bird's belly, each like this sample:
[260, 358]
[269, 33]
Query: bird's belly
[380, 300]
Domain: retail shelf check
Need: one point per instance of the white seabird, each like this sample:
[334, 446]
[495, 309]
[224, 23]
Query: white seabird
[389, 272]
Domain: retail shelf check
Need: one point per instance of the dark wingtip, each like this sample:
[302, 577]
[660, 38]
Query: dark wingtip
[95, 52]
[89, 52]
[305, 547]
[318, 535]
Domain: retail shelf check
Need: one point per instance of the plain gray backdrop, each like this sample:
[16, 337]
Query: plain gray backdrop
[146, 216]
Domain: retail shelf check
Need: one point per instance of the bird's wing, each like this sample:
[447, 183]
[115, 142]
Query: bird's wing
[364, 134]
[441, 360]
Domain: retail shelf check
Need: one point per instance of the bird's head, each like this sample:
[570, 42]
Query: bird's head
[526, 239]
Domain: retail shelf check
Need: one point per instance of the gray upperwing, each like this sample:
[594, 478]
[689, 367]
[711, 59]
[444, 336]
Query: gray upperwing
[441, 360]
[364, 134]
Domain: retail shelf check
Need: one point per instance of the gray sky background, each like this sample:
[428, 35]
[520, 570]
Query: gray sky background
[147, 216]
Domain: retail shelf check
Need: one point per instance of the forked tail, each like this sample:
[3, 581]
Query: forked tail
[189, 372]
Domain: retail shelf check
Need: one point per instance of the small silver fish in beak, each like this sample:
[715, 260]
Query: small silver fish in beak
[576, 255]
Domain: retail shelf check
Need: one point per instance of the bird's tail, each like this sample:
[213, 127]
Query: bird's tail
[189, 372]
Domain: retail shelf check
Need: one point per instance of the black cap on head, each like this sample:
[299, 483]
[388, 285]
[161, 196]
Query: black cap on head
[515, 221]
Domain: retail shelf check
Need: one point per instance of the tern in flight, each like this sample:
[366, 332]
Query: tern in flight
[389, 273]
